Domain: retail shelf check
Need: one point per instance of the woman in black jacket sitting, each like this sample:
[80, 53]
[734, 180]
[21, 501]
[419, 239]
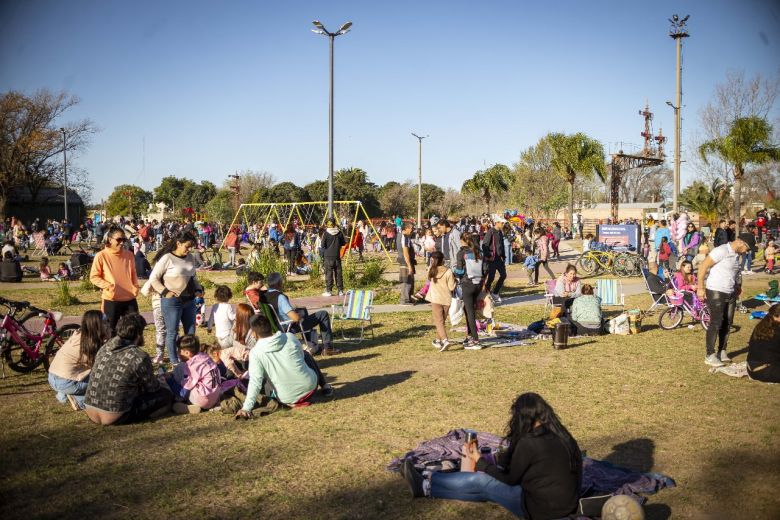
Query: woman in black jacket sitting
[538, 476]
[763, 359]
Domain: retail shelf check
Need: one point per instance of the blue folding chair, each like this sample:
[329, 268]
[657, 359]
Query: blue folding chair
[356, 307]
[611, 292]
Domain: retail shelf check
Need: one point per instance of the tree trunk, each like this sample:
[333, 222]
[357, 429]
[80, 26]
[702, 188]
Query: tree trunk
[738, 174]
[487, 200]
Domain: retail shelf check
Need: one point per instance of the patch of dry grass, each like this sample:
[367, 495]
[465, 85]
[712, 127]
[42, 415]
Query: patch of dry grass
[643, 401]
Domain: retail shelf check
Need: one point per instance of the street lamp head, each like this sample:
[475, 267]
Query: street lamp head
[670, 104]
[318, 31]
[345, 28]
[318, 25]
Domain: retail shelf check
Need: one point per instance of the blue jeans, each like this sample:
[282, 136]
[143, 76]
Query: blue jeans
[478, 487]
[174, 310]
[747, 261]
[63, 387]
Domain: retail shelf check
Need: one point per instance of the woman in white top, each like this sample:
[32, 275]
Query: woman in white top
[174, 278]
[70, 368]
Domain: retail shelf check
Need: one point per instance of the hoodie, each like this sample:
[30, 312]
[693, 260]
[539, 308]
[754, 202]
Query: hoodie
[202, 380]
[280, 359]
[332, 242]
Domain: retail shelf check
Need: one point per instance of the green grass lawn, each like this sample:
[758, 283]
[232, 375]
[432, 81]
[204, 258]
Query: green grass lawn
[645, 402]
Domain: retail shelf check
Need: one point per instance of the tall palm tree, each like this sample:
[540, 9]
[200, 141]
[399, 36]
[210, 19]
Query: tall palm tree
[574, 155]
[710, 202]
[748, 142]
[488, 184]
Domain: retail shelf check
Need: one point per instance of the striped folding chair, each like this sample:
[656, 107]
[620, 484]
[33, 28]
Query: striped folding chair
[611, 292]
[40, 244]
[356, 307]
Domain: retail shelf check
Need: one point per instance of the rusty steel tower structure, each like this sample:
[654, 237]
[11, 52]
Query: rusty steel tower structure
[652, 154]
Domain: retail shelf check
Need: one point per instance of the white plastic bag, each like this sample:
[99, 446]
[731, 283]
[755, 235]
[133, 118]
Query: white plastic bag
[456, 311]
[619, 325]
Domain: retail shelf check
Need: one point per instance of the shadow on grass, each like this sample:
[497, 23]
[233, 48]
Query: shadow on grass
[343, 359]
[636, 454]
[372, 384]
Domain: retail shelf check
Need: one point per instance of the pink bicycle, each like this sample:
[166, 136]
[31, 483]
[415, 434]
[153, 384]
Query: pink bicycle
[23, 350]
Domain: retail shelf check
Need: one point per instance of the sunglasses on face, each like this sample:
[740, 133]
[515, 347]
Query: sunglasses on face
[120, 239]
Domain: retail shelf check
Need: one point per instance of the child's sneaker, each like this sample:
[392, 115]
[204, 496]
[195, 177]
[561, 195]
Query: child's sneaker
[184, 408]
[436, 343]
[444, 345]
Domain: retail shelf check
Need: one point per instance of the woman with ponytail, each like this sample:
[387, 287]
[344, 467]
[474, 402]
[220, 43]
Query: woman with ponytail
[538, 476]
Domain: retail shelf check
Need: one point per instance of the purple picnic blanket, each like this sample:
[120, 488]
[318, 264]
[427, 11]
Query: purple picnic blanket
[598, 477]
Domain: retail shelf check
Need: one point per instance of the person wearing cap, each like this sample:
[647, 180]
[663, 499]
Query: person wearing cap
[330, 250]
[493, 254]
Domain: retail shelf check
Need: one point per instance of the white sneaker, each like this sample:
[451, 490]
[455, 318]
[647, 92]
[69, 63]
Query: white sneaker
[341, 293]
[713, 361]
[496, 298]
[724, 357]
[327, 294]
[444, 345]
[436, 343]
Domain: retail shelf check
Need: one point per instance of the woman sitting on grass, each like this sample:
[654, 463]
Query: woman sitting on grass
[586, 314]
[538, 476]
[763, 359]
[69, 370]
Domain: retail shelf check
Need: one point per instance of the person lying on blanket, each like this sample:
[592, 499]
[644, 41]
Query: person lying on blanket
[538, 476]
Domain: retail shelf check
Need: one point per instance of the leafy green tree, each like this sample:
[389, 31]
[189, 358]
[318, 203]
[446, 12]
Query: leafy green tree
[128, 200]
[488, 184]
[317, 191]
[397, 199]
[221, 207]
[431, 195]
[288, 192]
[196, 196]
[709, 201]
[353, 184]
[169, 190]
[535, 197]
[574, 155]
[749, 141]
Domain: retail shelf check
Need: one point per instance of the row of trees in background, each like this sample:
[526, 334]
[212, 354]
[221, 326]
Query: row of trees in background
[31, 143]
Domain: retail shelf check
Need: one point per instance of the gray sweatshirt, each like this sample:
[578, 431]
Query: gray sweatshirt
[173, 273]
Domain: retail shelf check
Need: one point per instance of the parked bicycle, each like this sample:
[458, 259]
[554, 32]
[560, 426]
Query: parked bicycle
[678, 306]
[604, 258]
[24, 351]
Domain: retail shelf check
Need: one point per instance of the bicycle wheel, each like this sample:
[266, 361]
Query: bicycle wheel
[587, 263]
[622, 266]
[705, 318]
[670, 318]
[16, 357]
[56, 341]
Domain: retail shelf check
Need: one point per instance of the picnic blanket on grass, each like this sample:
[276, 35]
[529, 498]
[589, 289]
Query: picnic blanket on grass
[733, 370]
[598, 477]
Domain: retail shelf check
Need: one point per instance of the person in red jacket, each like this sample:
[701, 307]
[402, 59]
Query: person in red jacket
[664, 253]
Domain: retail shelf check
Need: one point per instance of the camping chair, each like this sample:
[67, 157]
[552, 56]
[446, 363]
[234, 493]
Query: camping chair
[549, 289]
[356, 307]
[611, 292]
[656, 287]
[40, 244]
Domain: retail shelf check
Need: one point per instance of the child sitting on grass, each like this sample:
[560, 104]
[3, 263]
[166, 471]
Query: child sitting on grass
[63, 272]
[45, 270]
[222, 317]
[214, 352]
[195, 382]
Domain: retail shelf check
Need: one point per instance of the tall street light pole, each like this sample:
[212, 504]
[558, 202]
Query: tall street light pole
[64, 172]
[320, 29]
[678, 31]
[419, 179]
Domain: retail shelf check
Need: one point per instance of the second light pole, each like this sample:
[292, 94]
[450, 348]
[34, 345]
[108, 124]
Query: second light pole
[320, 29]
[419, 180]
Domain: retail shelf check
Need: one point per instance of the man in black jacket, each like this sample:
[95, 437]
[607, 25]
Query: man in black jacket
[721, 234]
[749, 238]
[494, 257]
[330, 249]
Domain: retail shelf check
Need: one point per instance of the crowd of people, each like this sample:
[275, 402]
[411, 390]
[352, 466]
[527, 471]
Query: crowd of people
[262, 352]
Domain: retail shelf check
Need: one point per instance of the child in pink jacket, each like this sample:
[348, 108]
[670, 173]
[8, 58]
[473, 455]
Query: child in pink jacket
[196, 380]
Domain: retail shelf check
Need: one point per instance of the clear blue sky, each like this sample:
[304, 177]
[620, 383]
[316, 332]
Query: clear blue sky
[212, 87]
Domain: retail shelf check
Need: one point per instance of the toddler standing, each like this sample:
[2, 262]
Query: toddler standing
[159, 322]
[222, 317]
[769, 256]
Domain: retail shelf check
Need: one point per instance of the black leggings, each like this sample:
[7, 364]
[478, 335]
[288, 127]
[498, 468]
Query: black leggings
[115, 310]
[470, 294]
[291, 255]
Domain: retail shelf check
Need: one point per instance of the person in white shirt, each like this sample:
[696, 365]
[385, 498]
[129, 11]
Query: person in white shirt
[721, 289]
[222, 317]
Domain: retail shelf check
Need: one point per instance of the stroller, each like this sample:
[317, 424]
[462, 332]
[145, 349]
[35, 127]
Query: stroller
[678, 304]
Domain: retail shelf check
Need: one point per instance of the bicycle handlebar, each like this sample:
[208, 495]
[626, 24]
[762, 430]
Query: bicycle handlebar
[18, 306]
